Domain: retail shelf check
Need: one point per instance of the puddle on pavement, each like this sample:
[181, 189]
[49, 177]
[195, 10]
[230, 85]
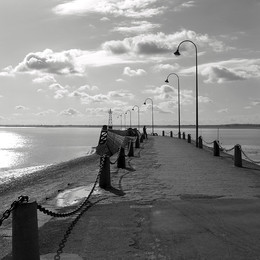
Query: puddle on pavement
[62, 257]
[73, 196]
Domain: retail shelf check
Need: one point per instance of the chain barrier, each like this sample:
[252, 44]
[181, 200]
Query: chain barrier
[6, 214]
[249, 159]
[208, 143]
[118, 154]
[62, 215]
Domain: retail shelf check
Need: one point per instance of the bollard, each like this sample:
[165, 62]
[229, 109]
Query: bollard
[171, 133]
[142, 138]
[237, 156]
[104, 179]
[137, 142]
[200, 142]
[183, 136]
[162, 133]
[131, 149]
[179, 135]
[189, 138]
[216, 148]
[121, 158]
[25, 241]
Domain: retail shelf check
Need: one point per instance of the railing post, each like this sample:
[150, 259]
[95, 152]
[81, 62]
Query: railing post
[142, 138]
[171, 133]
[162, 133]
[189, 138]
[104, 179]
[200, 142]
[183, 136]
[121, 158]
[131, 149]
[216, 148]
[137, 142]
[237, 156]
[25, 241]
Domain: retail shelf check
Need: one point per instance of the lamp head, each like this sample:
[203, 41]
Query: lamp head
[177, 53]
[167, 81]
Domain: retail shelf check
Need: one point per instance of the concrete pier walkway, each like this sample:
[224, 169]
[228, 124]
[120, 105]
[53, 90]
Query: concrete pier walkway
[173, 201]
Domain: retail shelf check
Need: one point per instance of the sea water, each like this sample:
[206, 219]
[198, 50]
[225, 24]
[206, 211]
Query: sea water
[24, 150]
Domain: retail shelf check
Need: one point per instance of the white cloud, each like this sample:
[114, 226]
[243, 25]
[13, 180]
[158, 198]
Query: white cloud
[21, 108]
[46, 112]
[136, 27]
[132, 73]
[184, 5]
[134, 9]
[70, 112]
[205, 99]
[44, 79]
[223, 110]
[169, 67]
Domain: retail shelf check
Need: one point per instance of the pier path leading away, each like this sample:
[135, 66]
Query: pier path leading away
[173, 201]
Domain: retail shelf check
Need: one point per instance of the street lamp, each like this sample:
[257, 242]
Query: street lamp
[179, 108]
[138, 110]
[130, 117]
[152, 114]
[177, 53]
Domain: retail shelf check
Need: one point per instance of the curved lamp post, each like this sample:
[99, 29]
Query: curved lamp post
[177, 53]
[138, 110]
[152, 114]
[130, 117]
[179, 109]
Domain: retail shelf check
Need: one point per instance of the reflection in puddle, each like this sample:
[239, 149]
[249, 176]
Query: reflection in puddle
[73, 196]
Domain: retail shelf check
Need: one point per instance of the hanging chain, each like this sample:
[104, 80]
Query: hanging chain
[6, 214]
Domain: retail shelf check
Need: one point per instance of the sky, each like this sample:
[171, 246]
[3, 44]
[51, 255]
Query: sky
[70, 62]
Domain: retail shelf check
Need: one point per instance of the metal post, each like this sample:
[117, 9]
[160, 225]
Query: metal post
[189, 138]
[162, 133]
[131, 149]
[121, 158]
[216, 148]
[171, 133]
[183, 136]
[200, 142]
[237, 156]
[137, 142]
[25, 241]
[104, 179]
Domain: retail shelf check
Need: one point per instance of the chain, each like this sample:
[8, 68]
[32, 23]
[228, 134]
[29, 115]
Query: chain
[207, 142]
[118, 154]
[85, 207]
[63, 215]
[250, 160]
[7, 213]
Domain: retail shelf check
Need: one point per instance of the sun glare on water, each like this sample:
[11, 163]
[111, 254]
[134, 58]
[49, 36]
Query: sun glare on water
[9, 143]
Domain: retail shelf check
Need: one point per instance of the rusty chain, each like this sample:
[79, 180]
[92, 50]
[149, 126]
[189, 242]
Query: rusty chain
[6, 214]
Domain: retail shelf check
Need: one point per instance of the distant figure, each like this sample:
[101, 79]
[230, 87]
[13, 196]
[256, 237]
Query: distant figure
[144, 132]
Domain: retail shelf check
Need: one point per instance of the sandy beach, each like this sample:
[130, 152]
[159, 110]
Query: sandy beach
[172, 201]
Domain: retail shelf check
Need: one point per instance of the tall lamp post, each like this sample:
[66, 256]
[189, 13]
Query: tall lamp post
[130, 117]
[152, 114]
[179, 107]
[138, 110]
[177, 53]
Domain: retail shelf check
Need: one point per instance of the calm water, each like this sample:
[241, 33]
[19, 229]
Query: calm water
[24, 150]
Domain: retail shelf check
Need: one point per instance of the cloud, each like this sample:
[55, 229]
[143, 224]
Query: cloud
[132, 73]
[184, 5]
[205, 99]
[46, 112]
[223, 110]
[169, 67]
[230, 70]
[21, 108]
[136, 27]
[134, 9]
[44, 79]
[70, 112]
[161, 43]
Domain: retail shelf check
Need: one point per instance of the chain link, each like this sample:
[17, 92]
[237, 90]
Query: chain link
[6, 214]
[63, 215]
[84, 206]
[249, 159]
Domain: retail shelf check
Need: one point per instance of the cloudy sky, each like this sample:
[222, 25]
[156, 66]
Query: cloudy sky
[69, 62]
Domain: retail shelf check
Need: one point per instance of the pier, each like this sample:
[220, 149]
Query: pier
[171, 201]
